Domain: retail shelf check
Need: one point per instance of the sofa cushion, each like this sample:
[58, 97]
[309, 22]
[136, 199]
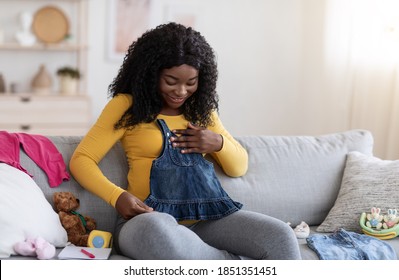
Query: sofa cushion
[367, 182]
[25, 213]
[294, 178]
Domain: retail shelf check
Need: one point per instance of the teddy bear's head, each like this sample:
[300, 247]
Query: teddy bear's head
[65, 201]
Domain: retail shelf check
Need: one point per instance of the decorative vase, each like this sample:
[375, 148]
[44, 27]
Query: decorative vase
[42, 82]
[68, 85]
[25, 37]
[2, 84]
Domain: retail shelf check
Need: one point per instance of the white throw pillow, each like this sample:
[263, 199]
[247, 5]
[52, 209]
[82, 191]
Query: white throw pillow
[25, 212]
[367, 182]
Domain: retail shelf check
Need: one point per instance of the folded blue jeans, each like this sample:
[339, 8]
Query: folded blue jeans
[345, 245]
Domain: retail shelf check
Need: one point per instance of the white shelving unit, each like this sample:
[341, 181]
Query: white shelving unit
[21, 109]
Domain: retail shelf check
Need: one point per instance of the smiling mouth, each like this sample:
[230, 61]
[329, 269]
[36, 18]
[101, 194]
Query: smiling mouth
[176, 99]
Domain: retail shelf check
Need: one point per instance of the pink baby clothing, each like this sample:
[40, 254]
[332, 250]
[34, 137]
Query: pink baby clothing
[40, 149]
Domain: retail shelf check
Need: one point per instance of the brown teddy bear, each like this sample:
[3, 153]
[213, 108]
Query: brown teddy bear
[76, 225]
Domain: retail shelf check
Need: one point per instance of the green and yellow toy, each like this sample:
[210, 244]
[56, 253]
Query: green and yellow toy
[381, 227]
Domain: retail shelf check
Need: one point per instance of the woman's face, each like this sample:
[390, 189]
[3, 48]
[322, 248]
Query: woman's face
[176, 85]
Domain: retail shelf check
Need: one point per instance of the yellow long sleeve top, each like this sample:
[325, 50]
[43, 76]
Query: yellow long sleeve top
[142, 145]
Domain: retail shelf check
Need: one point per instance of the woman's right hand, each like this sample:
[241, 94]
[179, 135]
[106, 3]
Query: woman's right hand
[129, 206]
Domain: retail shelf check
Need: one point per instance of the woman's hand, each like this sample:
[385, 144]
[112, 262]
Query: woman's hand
[197, 139]
[129, 206]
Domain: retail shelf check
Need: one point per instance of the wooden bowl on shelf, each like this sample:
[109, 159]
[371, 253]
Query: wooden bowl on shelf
[50, 25]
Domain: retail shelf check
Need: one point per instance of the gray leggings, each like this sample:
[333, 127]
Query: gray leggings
[158, 236]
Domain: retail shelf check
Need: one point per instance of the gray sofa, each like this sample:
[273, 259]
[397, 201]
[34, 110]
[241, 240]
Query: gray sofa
[293, 178]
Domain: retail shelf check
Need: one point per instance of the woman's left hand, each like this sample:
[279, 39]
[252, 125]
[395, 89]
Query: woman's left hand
[197, 139]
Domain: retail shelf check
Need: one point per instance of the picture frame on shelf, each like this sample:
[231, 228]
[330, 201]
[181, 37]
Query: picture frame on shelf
[129, 19]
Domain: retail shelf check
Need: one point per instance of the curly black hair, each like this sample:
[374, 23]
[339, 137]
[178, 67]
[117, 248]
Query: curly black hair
[164, 47]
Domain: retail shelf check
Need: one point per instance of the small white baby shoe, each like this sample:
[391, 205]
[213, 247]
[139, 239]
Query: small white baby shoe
[302, 230]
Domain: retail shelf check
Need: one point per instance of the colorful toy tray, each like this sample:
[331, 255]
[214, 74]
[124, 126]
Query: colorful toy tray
[379, 233]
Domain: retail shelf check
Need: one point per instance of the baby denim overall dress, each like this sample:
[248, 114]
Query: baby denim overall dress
[185, 185]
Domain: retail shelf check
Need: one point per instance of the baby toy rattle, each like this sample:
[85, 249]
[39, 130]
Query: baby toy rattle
[99, 239]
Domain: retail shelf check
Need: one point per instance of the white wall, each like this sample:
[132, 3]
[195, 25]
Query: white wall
[269, 63]
[284, 65]
[272, 77]
[101, 71]
[272, 74]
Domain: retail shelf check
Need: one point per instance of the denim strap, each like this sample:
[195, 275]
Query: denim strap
[166, 133]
